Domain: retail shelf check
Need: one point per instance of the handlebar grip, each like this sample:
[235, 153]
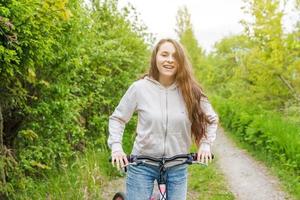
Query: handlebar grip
[129, 158]
[195, 155]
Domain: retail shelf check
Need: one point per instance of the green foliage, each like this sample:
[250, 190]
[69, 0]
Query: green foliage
[82, 178]
[226, 71]
[268, 66]
[208, 183]
[64, 69]
[259, 65]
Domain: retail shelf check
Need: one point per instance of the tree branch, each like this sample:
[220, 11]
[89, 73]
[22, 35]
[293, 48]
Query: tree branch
[290, 87]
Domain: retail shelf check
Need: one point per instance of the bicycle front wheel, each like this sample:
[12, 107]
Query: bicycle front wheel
[119, 196]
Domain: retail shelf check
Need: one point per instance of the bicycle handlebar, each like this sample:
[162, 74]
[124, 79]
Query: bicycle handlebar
[190, 158]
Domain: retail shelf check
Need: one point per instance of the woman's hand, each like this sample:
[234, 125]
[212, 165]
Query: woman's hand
[119, 160]
[204, 154]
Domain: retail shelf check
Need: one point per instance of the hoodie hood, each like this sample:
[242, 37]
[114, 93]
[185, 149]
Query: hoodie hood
[171, 87]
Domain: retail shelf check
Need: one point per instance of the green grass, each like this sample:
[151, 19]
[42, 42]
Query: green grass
[208, 182]
[81, 180]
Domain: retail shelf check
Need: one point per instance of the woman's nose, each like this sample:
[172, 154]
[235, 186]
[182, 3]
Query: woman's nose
[170, 59]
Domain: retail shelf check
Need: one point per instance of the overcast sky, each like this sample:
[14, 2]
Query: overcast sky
[211, 19]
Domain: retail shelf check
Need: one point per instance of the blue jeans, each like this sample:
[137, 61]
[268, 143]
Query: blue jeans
[140, 181]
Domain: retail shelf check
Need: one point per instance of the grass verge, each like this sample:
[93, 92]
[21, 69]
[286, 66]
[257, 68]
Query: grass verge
[83, 179]
[208, 183]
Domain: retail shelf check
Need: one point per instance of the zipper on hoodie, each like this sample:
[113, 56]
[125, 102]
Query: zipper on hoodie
[166, 131]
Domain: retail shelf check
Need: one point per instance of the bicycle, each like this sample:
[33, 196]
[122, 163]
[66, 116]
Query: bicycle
[181, 159]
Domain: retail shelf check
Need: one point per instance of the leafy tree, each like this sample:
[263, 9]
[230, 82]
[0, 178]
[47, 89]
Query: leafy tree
[24, 51]
[267, 64]
[184, 30]
[228, 74]
[186, 35]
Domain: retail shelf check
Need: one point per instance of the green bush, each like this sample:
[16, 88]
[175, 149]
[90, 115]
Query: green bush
[61, 77]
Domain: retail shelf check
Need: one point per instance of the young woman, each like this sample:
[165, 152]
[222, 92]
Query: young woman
[172, 112]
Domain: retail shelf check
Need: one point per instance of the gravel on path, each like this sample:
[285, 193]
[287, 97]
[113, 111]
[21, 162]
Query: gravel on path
[247, 178]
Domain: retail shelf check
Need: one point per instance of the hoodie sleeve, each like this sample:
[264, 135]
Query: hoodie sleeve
[206, 142]
[120, 117]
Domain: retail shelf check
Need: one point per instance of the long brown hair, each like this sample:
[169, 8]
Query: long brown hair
[191, 91]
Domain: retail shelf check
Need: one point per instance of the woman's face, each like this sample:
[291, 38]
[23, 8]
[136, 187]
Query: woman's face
[166, 62]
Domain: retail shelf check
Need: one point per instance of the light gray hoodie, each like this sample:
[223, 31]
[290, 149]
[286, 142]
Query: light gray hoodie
[163, 127]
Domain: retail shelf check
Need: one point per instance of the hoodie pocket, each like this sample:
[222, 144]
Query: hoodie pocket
[175, 144]
[151, 144]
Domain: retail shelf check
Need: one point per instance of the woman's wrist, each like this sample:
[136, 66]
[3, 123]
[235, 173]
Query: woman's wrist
[205, 147]
[116, 147]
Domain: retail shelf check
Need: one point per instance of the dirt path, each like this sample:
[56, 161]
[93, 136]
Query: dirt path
[247, 179]
[116, 185]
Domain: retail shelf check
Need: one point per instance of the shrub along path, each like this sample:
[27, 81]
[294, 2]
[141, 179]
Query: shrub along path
[247, 178]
